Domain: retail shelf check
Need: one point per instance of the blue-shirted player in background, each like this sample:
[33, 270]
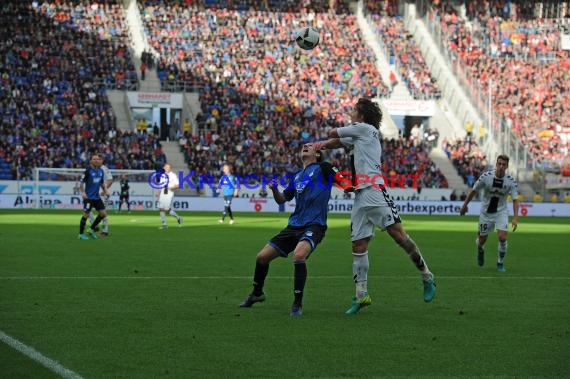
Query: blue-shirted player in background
[229, 188]
[305, 230]
[92, 181]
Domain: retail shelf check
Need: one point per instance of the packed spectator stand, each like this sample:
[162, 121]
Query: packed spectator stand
[399, 46]
[467, 157]
[57, 60]
[258, 106]
[256, 87]
[511, 49]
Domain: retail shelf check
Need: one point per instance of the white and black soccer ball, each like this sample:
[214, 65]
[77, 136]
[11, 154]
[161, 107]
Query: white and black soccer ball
[307, 38]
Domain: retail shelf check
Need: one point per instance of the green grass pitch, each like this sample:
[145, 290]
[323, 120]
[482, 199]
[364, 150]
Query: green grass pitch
[145, 303]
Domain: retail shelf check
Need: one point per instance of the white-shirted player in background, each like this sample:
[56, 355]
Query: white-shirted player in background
[373, 206]
[166, 197]
[108, 178]
[494, 187]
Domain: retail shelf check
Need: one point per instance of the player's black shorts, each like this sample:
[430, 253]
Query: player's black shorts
[89, 204]
[287, 239]
[228, 200]
[124, 197]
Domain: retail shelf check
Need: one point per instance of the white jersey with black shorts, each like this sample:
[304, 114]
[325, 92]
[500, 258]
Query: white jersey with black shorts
[166, 196]
[493, 193]
[373, 206]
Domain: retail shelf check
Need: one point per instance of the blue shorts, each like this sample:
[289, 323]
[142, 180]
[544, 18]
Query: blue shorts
[287, 239]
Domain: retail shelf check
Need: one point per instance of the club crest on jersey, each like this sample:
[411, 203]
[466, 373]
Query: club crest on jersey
[303, 181]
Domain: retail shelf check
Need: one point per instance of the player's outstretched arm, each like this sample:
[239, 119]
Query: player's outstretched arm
[464, 207]
[331, 143]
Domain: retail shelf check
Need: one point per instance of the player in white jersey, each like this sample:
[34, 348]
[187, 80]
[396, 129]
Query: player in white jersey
[373, 206]
[166, 196]
[494, 187]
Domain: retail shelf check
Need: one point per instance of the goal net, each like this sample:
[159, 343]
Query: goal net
[59, 188]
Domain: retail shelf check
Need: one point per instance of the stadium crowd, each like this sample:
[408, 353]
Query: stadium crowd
[467, 157]
[256, 86]
[506, 42]
[57, 59]
[404, 157]
[401, 47]
[271, 97]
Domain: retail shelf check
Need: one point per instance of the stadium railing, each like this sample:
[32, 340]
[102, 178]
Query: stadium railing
[482, 102]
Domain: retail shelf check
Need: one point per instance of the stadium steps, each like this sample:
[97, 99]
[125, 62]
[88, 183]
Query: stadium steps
[372, 40]
[446, 123]
[120, 104]
[438, 156]
[452, 91]
[139, 43]
[388, 129]
[191, 109]
[151, 83]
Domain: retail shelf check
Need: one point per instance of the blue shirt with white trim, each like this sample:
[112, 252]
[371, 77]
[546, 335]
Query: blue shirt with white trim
[311, 189]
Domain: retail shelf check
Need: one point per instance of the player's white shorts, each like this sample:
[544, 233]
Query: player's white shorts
[488, 222]
[372, 207]
[165, 201]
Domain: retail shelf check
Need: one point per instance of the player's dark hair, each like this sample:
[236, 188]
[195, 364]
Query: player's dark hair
[503, 157]
[370, 112]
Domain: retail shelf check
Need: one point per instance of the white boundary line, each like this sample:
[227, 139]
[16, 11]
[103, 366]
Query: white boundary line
[35, 355]
[137, 277]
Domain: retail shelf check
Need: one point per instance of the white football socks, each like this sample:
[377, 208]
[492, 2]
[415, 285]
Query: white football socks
[502, 251]
[360, 267]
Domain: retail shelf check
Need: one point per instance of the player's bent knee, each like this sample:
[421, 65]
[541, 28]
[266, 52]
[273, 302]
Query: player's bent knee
[300, 257]
[360, 246]
[302, 251]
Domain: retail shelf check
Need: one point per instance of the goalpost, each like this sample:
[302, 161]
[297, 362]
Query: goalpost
[59, 188]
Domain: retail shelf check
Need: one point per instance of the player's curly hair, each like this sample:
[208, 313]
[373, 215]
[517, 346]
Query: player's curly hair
[370, 112]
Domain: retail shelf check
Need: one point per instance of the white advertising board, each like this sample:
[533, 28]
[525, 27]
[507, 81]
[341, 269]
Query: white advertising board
[193, 204]
[410, 107]
[154, 99]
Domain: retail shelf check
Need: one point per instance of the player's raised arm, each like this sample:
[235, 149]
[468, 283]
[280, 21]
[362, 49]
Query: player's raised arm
[280, 197]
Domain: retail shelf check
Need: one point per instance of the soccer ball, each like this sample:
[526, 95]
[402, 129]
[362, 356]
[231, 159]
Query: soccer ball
[307, 38]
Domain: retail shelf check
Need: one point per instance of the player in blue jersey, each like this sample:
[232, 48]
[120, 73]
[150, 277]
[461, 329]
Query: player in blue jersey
[306, 228]
[229, 188]
[108, 183]
[92, 182]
